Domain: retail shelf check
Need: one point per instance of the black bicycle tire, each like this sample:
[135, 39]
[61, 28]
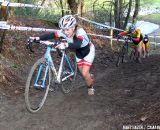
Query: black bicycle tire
[121, 55]
[28, 106]
[63, 88]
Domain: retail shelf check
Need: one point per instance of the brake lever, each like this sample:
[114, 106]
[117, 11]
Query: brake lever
[29, 46]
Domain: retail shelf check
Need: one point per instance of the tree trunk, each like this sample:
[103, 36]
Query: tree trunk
[73, 5]
[128, 14]
[120, 13]
[94, 4]
[43, 2]
[110, 14]
[116, 14]
[61, 4]
[81, 7]
[2, 37]
[137, 7]
[76, 6]
[3, 17]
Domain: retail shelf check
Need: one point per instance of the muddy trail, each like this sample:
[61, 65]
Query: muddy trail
[125, 95]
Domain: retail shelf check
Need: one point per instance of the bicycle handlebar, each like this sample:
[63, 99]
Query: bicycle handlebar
[126, 38]
[48, 43]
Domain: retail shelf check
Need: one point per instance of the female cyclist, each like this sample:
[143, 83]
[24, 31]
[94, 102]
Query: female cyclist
[137, 38]
[146, 45]
[77, 39]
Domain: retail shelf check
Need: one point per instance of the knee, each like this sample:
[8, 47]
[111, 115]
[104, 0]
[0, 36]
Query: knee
[84, 74]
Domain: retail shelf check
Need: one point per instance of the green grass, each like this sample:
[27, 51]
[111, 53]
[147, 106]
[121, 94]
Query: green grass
[155, 18]
[149, 1]
[15, 66]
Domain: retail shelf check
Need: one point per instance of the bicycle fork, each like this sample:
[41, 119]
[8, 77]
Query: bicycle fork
[42, 85]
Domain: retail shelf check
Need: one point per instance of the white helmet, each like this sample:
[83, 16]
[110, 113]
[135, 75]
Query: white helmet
[67, 21]
[132, 27]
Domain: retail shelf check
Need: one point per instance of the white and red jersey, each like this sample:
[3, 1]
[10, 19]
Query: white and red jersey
[80, 42]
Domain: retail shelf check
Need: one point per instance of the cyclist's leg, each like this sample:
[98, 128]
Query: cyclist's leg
[80, 66]
[84, 66]
[85, 71]
[136, 51]
[88, 78]
[141, 45]
[139, 51]
[147, 45]
[143, 50]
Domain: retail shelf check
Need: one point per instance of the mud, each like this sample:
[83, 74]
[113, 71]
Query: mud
[125, 95]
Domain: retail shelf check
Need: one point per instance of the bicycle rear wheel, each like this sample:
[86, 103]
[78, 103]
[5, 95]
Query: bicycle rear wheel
[35, 95]
[67, 84]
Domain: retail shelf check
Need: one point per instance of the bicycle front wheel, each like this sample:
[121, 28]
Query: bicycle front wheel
[121, 56]
[37, 85]
[67, 84]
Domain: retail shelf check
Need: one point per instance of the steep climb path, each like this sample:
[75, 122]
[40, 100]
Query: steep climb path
[122, 94]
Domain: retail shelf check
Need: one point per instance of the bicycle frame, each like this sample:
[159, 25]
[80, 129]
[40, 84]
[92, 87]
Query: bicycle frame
[127, 44]
[126, 50]
[49, 63]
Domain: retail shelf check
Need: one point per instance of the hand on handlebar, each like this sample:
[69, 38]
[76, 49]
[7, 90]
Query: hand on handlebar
[119, 36]
[128, 39]
[30, 41]
[62, 45]
[34, 39]
[131, 39]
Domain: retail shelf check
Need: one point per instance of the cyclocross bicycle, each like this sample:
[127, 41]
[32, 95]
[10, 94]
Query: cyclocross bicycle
[126, 51]
[44, 72]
